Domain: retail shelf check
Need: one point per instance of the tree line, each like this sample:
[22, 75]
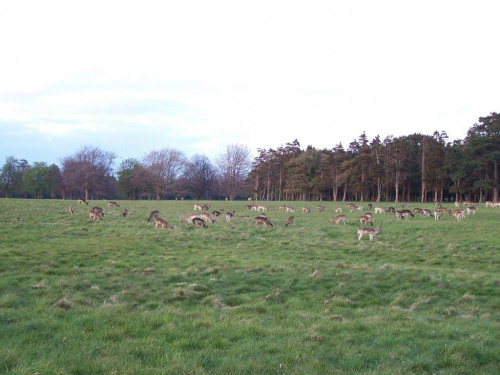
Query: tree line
[415, 167]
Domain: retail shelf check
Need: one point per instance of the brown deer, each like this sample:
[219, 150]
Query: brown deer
[229, 215]
[366, 220]
[262, 220]
[113, 204]
[71, 209]
[159, 222]
[95, 215]
[337, 219]
[321, 209]
[125, 212]
[189, 218]
[152, 214]
[98, 209]
[198, 207]
[82, 201]
[206, 216]
[306, 210]
[368, 232]
[198, 222]
[290, 221]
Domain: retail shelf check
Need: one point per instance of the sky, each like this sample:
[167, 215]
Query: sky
[131, 77]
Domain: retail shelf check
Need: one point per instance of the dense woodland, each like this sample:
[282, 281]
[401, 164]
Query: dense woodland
[415, 167]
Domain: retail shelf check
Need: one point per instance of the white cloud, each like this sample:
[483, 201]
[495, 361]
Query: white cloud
[201, 74]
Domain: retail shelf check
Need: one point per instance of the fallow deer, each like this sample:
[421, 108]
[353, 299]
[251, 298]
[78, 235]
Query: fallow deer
[290, 209]
[290, 221]
[229, 215]
[189, 218]
[159, 222]
[206, 217]
[417, 211]
[337, 219]
[152, 214]
[205, 207]
[426, 212]
[249, 206]
[198, 207]
[82, 201]
[368, 232]
[379, 210]
[263, 208]
[370, 206]
[71, 209]
[365, 219]
[282, 207]
[125, 212]
[321, 209]
[99, 209]
[95, 215]
[262, 220]
[338, 209]
[306, 210]
[471, 210]
[458, 214]
[113, 204]
[198, 222]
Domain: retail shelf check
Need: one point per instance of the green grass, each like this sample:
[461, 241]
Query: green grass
[119, 297]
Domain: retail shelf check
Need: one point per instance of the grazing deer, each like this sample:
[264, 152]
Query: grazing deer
[399, 215]
[263, 208]
[458, 204]
[338, 209]
[198, 222]
[206, 216]
[205, 207]
[113, 204]
[159, 222]
[218, 213]
[369, 214]
[337, 219]
[392, 210]
[352, 208]
[95, 215]
[359, 208]
[98, 209]
[368, 232]
[489, 203]
[290, 221]
[198, 207]
[471, 210]
[125, 213]
[71, 209]
[306, 210]
[229, 215]
[290, 209]
[263, 215]
[365, 219]
[189, 218]
[249, 206]
[82, 201]
[417, 211]
[407, 213]
[321, 209]
[459, 214]
[283, 207]
[152, 214]
[437, 214]
[426, 212]
[379, 210]
[370, 206]
[262, 220]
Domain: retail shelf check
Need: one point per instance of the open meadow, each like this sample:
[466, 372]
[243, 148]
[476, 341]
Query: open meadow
[118, 296]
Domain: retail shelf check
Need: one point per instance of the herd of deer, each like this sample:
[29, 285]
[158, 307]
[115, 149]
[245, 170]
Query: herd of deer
[201, 219]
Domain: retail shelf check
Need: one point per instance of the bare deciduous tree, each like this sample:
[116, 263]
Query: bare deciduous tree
[88, 171]
[163, 167]
[234, 165]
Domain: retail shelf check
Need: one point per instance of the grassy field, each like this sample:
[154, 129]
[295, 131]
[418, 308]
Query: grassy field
[119, 297]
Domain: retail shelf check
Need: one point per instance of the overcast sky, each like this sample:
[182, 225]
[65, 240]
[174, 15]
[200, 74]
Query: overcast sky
[133, 77]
